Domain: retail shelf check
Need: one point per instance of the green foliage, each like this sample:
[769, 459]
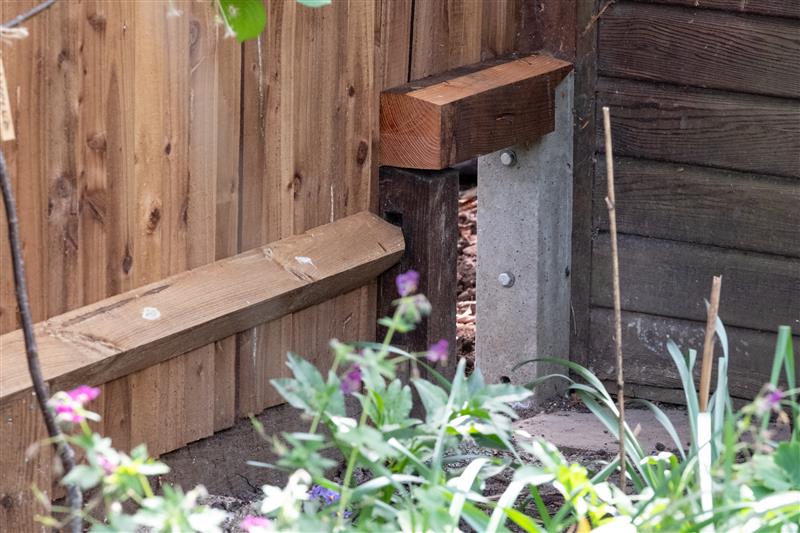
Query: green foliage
[245, 18]
[414, 474]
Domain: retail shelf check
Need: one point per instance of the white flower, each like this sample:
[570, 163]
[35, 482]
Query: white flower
[287, 500]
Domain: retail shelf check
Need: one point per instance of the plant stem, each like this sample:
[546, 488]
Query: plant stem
[708, 344]
[612, 219]
[19, 19]
[351, 461]
[318, 416]
[62, 447]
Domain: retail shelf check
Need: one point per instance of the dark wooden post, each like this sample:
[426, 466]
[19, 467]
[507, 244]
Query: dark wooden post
[424, 203]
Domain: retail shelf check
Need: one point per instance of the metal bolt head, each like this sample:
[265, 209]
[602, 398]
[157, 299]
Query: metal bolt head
[506, 279]
[508, 158]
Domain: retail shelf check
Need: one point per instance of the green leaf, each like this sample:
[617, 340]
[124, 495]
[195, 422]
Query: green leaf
[83, 476]
[314, 3]
[787, 456]
[433, 398]
[245, 18]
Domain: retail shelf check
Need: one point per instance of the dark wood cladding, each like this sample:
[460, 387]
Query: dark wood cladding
[670, 278]
[648, 363]
[780, 8]
[701, 48]
[702, 127]
[703, 205]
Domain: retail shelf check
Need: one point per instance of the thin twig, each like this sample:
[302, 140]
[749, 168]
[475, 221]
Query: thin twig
[19, 19]
[612, 218]
[65, 452]
[708, 345]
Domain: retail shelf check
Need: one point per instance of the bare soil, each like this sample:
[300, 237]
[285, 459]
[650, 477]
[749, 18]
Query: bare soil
[467, 258]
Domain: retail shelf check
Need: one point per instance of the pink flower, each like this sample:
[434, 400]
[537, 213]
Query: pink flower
[407, 283]
[438, 351]
[68, 413]
[254, 524]
[107, 464]
[351, 381]
[84, 394]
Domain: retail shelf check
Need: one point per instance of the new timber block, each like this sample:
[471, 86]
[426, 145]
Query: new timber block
[425, 205]
[448, 118]
[524, 254]
[140, 328]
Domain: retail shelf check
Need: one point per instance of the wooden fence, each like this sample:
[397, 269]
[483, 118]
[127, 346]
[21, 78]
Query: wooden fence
[147, 144]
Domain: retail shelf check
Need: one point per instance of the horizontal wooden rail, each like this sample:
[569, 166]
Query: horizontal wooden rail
[470, 111]
[140, 328]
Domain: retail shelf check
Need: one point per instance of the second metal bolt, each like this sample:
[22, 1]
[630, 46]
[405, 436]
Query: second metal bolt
[506, 279]
[508, 158]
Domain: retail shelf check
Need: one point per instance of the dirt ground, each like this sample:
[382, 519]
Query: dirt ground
[467, 257]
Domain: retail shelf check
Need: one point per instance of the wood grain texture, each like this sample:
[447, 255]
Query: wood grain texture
[446, 35]
[24, 461]
[647, 362]
[782, 8]
[701, 48]
[583, 176]
[114, 337]
[710, 128]
[425, 205]
[703, 205]
[671, 279]
[309, 119]
[467, 112]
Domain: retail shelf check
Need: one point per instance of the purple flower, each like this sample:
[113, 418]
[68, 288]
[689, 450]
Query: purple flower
[254, 524]
[774, 398]
[327, 496]
[438, 351]
[84, 394]
[351, 381]
[407, 283]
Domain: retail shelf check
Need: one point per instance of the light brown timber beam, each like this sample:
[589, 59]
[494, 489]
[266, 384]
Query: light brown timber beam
[131, 331]
[438, 121]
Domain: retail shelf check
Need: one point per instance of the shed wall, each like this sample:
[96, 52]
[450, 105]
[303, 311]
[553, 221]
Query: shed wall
[705, 107]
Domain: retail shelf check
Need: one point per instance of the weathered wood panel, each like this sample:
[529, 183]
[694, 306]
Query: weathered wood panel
[782, 8]
[424, 204]
[701, 48]
[703, 205]
[21, 427]
[585, 32]
[310, 111]
[115, 169]
[470, 111]
[134, 330]
[710, 128]
[669, 278]
[647, 361]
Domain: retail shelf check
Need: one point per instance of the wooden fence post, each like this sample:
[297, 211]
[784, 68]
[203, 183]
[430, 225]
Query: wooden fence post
[424, 203]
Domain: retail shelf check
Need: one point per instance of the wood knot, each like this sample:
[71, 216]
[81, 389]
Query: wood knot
[361, 153]
[168, 148]
[351, 91]
[194, 32]
[63, 56]
[7, 502]
[127, 260]
[97, 142]
[153, 219]
[295, 185]
[97, 21]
